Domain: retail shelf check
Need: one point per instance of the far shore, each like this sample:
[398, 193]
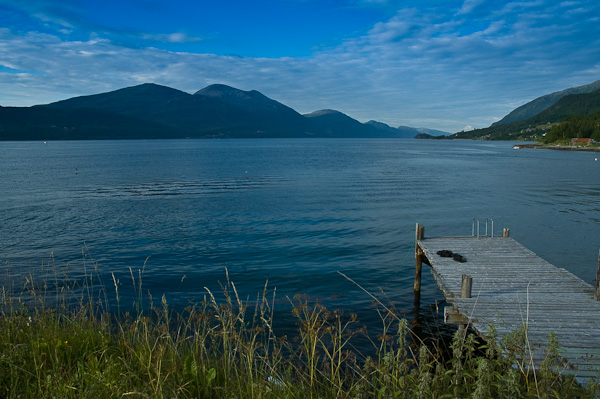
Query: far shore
[558, 147]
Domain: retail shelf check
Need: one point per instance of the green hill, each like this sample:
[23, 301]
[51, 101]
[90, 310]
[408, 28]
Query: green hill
[540, 104]
[535, 127]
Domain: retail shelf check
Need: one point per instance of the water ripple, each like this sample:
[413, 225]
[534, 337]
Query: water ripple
[177, 188]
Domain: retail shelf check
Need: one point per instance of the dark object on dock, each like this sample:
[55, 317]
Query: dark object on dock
[444, 253]
[459, 258]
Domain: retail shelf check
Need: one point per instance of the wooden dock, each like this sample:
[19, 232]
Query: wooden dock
[510, 287]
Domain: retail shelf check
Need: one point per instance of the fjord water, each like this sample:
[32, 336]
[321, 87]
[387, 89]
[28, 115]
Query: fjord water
[293, 212]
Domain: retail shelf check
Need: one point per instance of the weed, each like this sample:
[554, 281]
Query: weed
[60, 340]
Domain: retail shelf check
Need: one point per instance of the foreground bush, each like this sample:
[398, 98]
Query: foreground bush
[228, 349]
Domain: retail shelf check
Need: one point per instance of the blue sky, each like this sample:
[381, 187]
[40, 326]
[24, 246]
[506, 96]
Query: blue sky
[446, 65]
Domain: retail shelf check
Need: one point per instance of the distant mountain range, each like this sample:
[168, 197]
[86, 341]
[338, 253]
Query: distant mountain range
[151, 111]
[533, 120]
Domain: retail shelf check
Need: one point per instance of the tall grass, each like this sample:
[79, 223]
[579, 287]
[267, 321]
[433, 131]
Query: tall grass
[58, 340]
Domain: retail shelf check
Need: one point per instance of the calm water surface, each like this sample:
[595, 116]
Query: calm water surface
[293, 212]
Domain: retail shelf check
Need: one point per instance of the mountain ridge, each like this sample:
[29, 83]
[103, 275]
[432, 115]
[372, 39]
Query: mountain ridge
[217, 111]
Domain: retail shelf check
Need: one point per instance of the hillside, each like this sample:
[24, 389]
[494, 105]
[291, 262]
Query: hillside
[535, 127]
[155, 111]
[538, 105]
[38, 123]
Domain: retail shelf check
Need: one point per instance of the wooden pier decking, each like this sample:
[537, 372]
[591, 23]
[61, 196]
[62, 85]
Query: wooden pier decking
[510, 287]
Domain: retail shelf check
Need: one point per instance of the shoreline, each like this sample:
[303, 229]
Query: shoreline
[557, 147]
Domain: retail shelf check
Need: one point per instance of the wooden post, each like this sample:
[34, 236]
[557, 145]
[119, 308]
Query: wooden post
[418, 267]
[597, 291]
[465, 292]
[465, 288]
[419, 232]
[506, 233]
[417, 228]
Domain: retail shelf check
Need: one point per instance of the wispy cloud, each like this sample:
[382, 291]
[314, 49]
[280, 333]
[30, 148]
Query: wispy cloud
[177, 37]
[468, 6]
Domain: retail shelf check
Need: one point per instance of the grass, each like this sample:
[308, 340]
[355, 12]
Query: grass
[58, 340]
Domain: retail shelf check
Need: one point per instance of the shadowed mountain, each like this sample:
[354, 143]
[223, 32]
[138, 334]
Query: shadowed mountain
[162, 112]
[404, 131]
[136, 100]
[259, 114]
[388, 131]
[197, 116]
[331, 123]
[40, 123]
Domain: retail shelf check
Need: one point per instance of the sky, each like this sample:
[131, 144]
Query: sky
[450, 65]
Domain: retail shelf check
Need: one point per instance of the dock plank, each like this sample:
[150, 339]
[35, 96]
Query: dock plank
[512, 287]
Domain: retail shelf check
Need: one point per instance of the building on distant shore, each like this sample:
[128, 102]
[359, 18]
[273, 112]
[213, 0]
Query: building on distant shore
[577, 141]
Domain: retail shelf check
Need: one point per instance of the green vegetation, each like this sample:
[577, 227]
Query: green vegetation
[575, 127]
[57, 340]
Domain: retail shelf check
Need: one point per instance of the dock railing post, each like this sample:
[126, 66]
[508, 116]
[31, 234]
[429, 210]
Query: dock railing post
[506, 233]
[597, 290]
[419, 233]
[466, 286]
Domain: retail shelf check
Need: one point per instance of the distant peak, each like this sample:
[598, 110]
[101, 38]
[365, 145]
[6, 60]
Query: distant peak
[221, 90]
[150, 88]
[323, 112]
[377, 124]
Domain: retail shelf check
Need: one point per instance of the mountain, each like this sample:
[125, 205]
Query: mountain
[137, 100]
[534, 127]
[392, 132]
[192, 115]
[331, 123]
[538, 105]
[39, 123]
[405, 131]
[414, 131]
[154, 111]
[259, 112]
